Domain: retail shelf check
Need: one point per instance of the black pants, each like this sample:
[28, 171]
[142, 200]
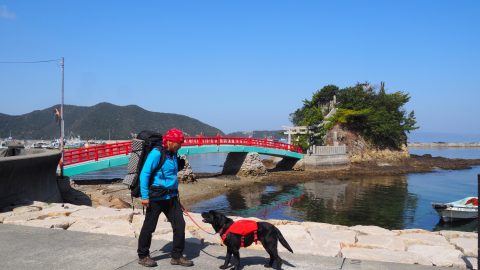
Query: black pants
[171, 208]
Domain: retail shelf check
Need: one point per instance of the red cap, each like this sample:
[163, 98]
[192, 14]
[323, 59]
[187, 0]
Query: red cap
[173, 135]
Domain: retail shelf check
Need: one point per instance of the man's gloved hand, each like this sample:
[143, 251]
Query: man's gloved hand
[146, 202]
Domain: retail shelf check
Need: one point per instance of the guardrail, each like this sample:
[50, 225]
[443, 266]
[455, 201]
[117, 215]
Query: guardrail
[74, 156]
[218, 140]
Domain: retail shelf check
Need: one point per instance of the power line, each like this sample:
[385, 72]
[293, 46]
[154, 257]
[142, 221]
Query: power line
[28, 62]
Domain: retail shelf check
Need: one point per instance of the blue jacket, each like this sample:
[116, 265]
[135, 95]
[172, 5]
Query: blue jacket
[166, 177]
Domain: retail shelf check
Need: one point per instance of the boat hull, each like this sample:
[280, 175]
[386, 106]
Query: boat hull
[464, 209]
[450, 214]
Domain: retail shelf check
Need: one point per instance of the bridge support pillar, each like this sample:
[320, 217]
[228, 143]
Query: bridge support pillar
[243, 164]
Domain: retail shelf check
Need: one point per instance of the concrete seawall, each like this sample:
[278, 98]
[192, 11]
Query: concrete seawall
[29, 177]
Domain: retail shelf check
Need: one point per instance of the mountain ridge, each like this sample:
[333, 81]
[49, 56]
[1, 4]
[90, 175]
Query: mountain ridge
[101, 121]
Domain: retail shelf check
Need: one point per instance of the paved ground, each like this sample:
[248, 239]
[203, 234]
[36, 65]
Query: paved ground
[23, 247]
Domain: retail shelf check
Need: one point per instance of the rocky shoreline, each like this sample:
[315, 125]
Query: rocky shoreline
[444, 144]
[105, 207]
[443, 248]
[115, 194]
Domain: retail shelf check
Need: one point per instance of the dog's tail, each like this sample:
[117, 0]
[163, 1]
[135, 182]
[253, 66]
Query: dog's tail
[282, 240]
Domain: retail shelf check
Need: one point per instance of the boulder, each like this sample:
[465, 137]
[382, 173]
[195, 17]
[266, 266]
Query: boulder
[380, 241]
[26, 209]
[431, 239]
[163, 226]
[4, 215]
[102, 212]
[106, 226]
[298, 238]
[468, 246]
[252, 166]
[374, 230]
[61, 222]
[384, 255]
[456, 234]
[299, 165]
[54, 215]
[446, 256]
[471, 262]
[186, 175]
[243, 164]
[328, 242]
[118, 203]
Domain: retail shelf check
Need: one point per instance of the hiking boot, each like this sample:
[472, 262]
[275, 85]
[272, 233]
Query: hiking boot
[183, 261]
[147, 262]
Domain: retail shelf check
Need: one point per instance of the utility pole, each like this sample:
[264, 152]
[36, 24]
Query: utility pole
[62, 127]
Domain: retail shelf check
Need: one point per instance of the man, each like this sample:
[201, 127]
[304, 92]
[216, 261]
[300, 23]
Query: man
[162, 197]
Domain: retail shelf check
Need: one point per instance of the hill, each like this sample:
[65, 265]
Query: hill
[101, 121]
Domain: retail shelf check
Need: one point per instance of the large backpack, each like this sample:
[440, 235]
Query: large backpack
[145, 142]
[141, 146]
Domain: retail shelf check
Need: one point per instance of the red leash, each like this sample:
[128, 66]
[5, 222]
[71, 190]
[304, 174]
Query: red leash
[191, 218]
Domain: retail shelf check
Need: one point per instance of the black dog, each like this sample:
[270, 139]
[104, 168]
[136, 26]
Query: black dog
[267, 234]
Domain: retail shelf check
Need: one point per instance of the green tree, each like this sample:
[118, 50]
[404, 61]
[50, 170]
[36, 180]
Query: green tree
[311, 111]
[376, 115]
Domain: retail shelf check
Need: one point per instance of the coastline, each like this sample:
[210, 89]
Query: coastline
[444, 145]
[93, 210]
[102, 193]
[372, 243]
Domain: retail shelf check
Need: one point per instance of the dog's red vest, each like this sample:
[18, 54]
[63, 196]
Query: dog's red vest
[243, 228]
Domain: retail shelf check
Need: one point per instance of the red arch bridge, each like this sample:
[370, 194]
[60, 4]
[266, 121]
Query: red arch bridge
[82, 160]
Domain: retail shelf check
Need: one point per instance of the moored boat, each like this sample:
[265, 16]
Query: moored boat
[464, 209]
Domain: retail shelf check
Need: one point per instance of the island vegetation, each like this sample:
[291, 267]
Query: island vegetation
[379, 117]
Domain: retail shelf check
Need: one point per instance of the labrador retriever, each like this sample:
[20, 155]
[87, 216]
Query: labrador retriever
[266, 233]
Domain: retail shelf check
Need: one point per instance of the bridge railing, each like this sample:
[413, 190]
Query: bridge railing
[74, 156]
[218, 140]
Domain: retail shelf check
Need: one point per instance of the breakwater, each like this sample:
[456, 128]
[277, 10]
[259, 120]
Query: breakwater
[414, 246]
[29, 176]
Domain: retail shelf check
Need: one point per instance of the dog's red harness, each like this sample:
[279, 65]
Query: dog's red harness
[243, 228]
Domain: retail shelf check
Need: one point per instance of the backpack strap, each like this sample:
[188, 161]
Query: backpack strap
[163, 155]
[152, 175]
[159, 167]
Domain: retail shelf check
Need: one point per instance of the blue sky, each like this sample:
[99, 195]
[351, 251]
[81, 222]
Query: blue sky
[243, 65]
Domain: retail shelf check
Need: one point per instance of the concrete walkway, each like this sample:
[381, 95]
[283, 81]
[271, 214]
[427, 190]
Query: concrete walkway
[23, 247]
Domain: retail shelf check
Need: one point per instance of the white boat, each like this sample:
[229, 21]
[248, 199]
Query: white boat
[464, 209]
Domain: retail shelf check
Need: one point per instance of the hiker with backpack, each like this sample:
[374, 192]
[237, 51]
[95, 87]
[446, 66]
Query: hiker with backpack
[158, 184]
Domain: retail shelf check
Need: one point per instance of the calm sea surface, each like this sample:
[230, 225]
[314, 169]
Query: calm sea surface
[393, 202]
